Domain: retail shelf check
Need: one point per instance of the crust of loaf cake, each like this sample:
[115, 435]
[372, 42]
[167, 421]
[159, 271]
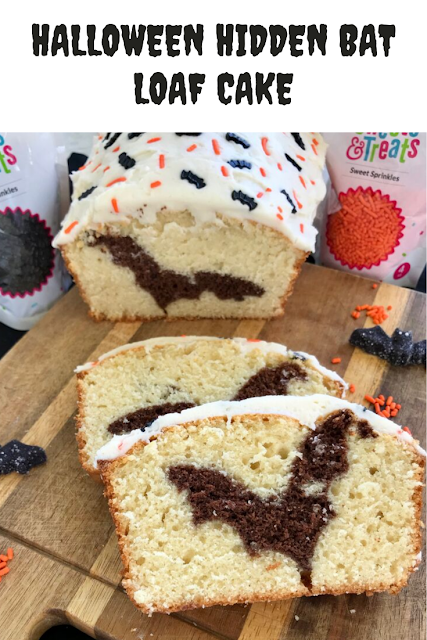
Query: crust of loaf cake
[107, 468]
[80, 417]
[101, 317]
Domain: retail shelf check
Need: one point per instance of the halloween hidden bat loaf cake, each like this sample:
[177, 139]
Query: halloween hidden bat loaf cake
[265, 499]
[192, 224]
[129, 387]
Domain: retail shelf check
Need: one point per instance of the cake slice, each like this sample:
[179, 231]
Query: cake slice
[265, 499]
[209, 225]
[128, 388]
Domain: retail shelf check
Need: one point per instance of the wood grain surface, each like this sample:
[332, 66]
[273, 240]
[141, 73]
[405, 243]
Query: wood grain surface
[67, 566]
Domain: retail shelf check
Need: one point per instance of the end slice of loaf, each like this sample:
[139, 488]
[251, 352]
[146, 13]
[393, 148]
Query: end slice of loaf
[266, 499]
[129, 388]
[162, 224]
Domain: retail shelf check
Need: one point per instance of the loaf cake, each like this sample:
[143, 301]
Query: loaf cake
[128, 388]
[209, 225]
[265, 499]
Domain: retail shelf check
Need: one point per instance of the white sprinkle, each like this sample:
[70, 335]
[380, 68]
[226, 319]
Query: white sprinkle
[352, 610]
[297, 618]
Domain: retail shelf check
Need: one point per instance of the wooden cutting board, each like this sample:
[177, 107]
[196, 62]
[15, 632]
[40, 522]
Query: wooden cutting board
[67, 566]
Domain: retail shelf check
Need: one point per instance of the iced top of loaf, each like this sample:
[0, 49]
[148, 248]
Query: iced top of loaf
[271, 178]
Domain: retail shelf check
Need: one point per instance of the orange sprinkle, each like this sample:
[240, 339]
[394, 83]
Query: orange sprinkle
[302, 182]
[155, 184]
[376, 312]
[4, 571]
[262, 172]
[312, 182]
[301, 227]
[366, 229]
[315, 142]
[394, 413]
[297, 201]
[374, 286]
[355, 315]
[97, 167]
[3, 558]
[377, 407]
[279, 215]
[268, 189]
[10, 553]
[153, 140]
[407, 430]
[259, 195]
[161, 161]
[264, 142]
[389, 401]
[336, 360]
[71, 226]
[393, 405]
[192, 147]
[389, 308]
[352, 388]
[216, 147]
[122, 179]
[301, 158]
[106, 169]
[398, 406]
[84, 166]
[115, 205]
[279, 166]
[280, 209]
[370, 399]
[116, 149]
[99, 137]
[3, 564]
[314, 149]
[270, 567]
[224, 171]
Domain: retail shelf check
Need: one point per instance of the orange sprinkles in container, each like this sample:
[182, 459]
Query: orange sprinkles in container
[366, 230]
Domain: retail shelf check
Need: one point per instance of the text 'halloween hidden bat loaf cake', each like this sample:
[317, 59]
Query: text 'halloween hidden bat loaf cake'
[187, 225]
[265, 499]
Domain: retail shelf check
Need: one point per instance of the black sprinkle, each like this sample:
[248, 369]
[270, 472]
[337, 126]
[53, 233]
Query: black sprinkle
[107, 135]
[112, 140]
[20, 457]
[126, 161]
[193, 179]
[289, 199]
[244, 199]
[298, 356]
[134, 135]
[293, 163]
[298, 140]
[399, 349]
[233, 137]
[240, 164]
[188, 134]
[87, 193]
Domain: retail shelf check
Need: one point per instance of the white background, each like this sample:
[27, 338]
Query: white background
[328, 93]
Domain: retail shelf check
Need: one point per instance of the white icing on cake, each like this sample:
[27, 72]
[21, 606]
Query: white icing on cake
[306, 409]
[244, 344]
[161, 158]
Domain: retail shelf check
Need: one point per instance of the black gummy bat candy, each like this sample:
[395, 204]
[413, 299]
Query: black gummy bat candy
[20, 457]
[399, 349]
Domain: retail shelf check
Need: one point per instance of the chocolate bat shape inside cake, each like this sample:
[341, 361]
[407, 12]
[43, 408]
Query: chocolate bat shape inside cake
[291, 521]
